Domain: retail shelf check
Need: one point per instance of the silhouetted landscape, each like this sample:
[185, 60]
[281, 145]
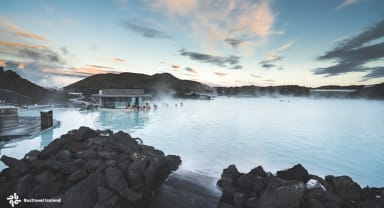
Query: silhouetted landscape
[157, 84]
[17, 90]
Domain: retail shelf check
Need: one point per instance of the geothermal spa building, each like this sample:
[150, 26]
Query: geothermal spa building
[121, 98]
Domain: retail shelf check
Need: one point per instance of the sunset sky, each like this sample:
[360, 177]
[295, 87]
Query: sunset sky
[218, 42]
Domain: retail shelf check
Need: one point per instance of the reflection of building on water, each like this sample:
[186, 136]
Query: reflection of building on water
[124, 120]
[46, 137]
[121, 98]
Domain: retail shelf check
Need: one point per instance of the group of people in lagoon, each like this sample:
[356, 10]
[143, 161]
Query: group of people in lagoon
[147, 107]
[137, 107]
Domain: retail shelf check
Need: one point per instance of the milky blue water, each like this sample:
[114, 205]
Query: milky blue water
[327, 136]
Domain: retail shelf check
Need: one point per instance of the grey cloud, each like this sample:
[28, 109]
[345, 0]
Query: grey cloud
[352, 54]
[375, 32]
[32, 71]
[375, 72]
[35, 62]
[237, 67]
[146, 32]
[11, 65]
[255, 76]
[189, 69]
[64, 50]
[271, 63]
[268, 65]
[41, 55]
[231, 62]
[233, 42]
[340, 69]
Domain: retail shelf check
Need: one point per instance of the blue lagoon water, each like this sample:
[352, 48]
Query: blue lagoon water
[327, 136]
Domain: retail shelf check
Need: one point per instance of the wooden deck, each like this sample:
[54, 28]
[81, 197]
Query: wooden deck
[28, 126]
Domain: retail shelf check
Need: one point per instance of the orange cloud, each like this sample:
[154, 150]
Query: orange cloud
[175, 66]
[21, 65]
[220, 73]
[211, 22]
[20, 32]
[2, 63]
[21, 45]
[84, 71]
[180, 7]
[92, 69]
[120, 60]
[257, 19]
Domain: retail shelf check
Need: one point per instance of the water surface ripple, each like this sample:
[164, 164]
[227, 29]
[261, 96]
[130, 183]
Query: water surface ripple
[327, 136]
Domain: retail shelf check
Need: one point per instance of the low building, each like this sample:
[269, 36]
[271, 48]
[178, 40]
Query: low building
[121, 98]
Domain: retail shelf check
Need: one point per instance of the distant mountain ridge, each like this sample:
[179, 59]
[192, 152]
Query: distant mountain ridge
[156, 84]
[166, 83]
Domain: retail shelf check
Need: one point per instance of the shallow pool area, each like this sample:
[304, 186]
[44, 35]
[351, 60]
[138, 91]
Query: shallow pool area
[327, 136]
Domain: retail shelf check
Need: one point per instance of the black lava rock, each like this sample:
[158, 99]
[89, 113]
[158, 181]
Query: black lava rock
[229, 177]
[294, 188]
[89, 168]
[297, 172]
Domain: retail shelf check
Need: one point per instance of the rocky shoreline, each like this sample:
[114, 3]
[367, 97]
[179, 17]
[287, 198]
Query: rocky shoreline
[88, 168]
[294, 188]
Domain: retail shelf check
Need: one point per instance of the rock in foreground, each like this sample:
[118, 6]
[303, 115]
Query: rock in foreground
[294, 188]
[185, 189]
[88, 168]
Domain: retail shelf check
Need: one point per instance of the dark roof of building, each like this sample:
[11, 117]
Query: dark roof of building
[122, 93]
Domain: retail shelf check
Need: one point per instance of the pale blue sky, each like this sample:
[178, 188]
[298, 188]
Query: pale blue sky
[218, 42]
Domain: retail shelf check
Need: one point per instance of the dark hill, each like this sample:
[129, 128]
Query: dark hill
[10, 96]
[156, 84]
[16, 90]
[337, 87]
[371, 92]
